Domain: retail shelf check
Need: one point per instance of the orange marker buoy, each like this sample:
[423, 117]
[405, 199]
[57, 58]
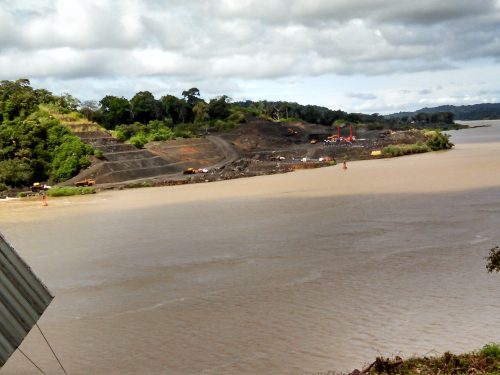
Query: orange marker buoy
[44, 201]
[344, 165]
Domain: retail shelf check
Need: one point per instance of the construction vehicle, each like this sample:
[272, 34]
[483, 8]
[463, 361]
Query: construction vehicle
[189, 171]
[338, 138]
[351, 137]
[37, 187]
[276, 158]
[86, 182]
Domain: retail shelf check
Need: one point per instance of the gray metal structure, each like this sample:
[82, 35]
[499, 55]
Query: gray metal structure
[23, 299]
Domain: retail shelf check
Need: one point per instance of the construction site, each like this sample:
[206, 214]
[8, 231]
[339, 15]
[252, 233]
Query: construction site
[255, 147]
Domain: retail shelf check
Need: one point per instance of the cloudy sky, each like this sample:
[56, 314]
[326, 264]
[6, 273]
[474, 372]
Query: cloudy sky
[357, 55]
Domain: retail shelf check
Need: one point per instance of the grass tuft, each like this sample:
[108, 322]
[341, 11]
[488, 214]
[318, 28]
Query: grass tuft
[65, 191]
[485, 362]
[400, 150]
[492, 351]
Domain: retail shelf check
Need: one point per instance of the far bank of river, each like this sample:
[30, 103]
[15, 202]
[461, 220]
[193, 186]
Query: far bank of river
[285, 274]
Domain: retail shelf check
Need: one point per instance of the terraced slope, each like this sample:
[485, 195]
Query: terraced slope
[121, 161]
[209, 152]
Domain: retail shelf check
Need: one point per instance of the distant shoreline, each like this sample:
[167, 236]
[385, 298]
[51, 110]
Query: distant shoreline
[234, 170]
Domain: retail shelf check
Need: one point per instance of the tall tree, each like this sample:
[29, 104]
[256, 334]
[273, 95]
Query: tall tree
[145, 107]
[200, 111]
[175, 108]
[218, 108]
[115, 111]
[17, 99]
[191, 96]
[90, 109]
[69, 102]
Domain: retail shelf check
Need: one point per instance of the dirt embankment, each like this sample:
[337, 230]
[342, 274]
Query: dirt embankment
[256, 147]
[260, 147]
[262, 140]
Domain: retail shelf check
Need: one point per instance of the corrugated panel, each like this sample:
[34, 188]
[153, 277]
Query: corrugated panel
[23, 299]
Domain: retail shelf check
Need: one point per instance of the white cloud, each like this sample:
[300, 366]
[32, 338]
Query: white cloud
[237, 40]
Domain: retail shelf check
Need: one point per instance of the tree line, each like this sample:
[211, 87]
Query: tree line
[144, 118]
[484, 111]
[112, 111]
[143, 108]
[444, 117]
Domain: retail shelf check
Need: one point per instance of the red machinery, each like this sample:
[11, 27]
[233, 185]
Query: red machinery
[339, 138]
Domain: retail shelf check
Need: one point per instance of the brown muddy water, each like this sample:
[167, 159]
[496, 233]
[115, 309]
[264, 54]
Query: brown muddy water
[291, 274]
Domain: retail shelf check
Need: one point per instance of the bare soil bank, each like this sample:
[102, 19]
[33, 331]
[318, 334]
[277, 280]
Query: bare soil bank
[259, 147]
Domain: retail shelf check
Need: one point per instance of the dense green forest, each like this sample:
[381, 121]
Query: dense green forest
[486, 111]
[112, 111]
[34, 146]
[144, 118]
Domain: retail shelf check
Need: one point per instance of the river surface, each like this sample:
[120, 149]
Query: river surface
[289, 274]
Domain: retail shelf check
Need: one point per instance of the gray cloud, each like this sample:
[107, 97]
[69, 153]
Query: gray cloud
[221, 42]
[425, 92]
[428, 12]
[490, 93]
[251, 38]
[362, 95]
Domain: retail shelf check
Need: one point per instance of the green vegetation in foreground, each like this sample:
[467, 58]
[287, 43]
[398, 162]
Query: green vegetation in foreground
[65, 191]
[435, 141]
[484, 361]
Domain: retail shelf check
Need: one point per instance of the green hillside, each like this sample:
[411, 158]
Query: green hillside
[34, 145]
[486, 111]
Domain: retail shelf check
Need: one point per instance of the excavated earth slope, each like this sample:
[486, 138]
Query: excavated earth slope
[257, 142]
[120, 161]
